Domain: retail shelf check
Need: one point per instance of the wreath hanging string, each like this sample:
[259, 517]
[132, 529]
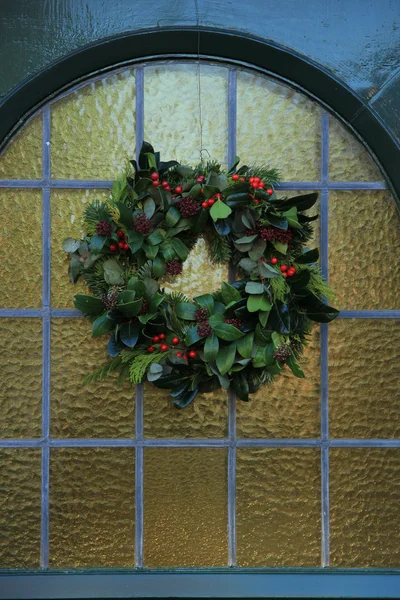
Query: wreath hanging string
[240, 336]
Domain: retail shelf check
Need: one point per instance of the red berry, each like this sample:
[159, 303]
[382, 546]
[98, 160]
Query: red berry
[185, 357]
[260, 276]
[270, 191]
[155, 339]
[242, 179]
[179, 354]
[257, 180]
[200, 179]
[294, 270]
[261, 184]
[156, 183]
[254, 185]
[210, 201]
[126, 246]
[256, 201]
[284, 268]
[204, 204]
[235, 177]
[162, 336]
[274, 260]
[165, 184]
[121, 245]
[262, 259]
[163, 347]
[175, 340]
[218, 196]
[113, 248]
[178, 189]
[167, 189]
[251, 179]
[120, 233]
[150, 349]
[285, 274]
[154, 176]
[193, 354]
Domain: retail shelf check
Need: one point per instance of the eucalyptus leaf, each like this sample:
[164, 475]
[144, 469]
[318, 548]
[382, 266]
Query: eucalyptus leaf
[253, 287]
[258, 302]
[70, 245]
[220, 210]
[113, 272]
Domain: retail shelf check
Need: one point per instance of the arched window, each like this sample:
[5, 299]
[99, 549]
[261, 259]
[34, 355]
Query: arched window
[306, 474]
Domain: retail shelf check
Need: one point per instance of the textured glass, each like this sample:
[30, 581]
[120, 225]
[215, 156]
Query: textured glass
[185, 507]
[289, 408]
[67, 208]
[364, 369]
[364, 250]
[365, 507]
[20, 508]
[278, 507]
[279, 127]
[22, 158]
[21, 378]
[348, 160]
[172, 111]
[206, 417]
[93, 129]
[21, 248]
[92, 507]
[101, 409]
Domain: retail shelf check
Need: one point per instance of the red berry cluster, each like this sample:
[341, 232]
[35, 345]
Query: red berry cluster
[235, 322]
[156, 182]
[174, 267]
[159, 339]
[103, 228]
[208, 203]
[200, 179]
[190, 354]
[288, 271]
[188, 207]
[273, 234]
[142, 224]
[122, 244]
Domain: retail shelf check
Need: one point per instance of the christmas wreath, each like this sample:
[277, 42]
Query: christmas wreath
[240, 336]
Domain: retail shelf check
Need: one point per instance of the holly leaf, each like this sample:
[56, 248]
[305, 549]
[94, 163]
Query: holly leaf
[220, 210]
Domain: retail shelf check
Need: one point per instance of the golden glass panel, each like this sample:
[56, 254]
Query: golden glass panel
[278, 507]
[93, 129]
[206, 417]
[364, 392]
[21, 378]
[279, 127]
[185, 507]
[67, 208]
[22, 158]
[348, 160]
[364, 246]
[102, 409]
[288, 408]
[92, 507]
[172, 113]
[21, 248]
[20, 495]
[365, 507]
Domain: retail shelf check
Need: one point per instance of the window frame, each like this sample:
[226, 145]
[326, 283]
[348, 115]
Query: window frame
[106, 583]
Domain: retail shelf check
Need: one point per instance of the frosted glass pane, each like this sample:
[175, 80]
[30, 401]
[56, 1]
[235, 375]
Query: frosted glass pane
[185, 507]
[21, 378]
[22, 158]
[92, 507]
[21, 248]
[93, 129]
[102, 409]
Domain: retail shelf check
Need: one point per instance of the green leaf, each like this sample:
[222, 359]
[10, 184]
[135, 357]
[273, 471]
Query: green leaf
[101, 325]
[156, 237]
[317, 310]
[150, 251]
[113, 273]
[264, 356]
[125, 215]
[185, 310]
[180, 248]
[154, 372]
[294, 367]
[241, 386]
[267, 271]
[135, 240]
[247, 264]
[263, 317]
[216, 320]
[211, 348]
[303, 202]
[227, 332]
[253, 287]
[277, 339]
[245, 345]
[226, 357]
[299, 281]
[282, 248]
[149, 207]
[192, 336]
[258, 249]
[258, 302]
[130, 309]
[206, 301]
[151, 287]
[229, 293]
[88, 305]
[129, 333]
[308, 258]
[151, 159]
[246, 239]
[172, 217]
[158, 266]
[167, 251]
[186, 398]
[74, 269]
[97, 243]
[155, 302]
[220, 210]
[70, 245]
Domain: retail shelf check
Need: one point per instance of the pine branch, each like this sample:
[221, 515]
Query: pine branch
[174, 298]
[219, 249]
[145, 271]
[100, 373]
[141, 363]
[94, 278]
[94, 212]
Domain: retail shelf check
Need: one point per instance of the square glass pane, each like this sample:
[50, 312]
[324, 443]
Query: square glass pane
[92, 507]
[365, 507]
[348, 159]
[364, 250]
[289, 407]
[278, 507]
[364, 391]
[20, 495]
[102, 409]
[21, 248]
[93, 129]
[279, 127]
[173, 95]
[67, 207]
[22, 159]
[21, 378]
[185, 507]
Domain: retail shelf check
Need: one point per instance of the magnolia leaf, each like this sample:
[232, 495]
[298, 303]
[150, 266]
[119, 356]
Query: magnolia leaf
[282, 248]
[129, 333]
[220, 210]
[245, 345]
[309, 257]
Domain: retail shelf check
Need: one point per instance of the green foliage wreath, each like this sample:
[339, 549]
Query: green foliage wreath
[240, 336]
